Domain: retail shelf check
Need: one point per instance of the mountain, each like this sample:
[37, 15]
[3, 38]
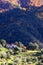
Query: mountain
[20, 25]
[21, 20]
[36, 3]
[6, 5]
[25, 2]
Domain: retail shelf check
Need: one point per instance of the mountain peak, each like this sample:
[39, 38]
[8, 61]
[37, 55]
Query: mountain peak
[6, 5]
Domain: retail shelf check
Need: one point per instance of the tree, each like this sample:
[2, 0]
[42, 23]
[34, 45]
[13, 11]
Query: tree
[30, 46]
[33, 46]
[3, 42]
[10, 64]
[42, 51]
[8, 54]
[36, 46]
[19, 44]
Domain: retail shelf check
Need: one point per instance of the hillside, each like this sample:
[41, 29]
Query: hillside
[17, 54]
[20, 25]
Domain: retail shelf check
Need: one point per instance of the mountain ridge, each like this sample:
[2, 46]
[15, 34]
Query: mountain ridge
[20, 25]
[6, 5]
[25, 2]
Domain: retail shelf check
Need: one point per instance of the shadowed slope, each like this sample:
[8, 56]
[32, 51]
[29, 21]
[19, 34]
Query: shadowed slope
[19, 25]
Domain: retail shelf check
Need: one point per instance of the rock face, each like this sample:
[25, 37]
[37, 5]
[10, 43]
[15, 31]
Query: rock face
[6, 5]
[26, 2]
[36, 2]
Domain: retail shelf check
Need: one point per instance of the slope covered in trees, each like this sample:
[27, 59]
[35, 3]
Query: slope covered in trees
[17, 54]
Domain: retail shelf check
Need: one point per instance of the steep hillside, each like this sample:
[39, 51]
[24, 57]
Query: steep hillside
[20, 25]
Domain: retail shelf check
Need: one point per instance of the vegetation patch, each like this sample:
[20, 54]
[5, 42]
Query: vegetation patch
[18, 54]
